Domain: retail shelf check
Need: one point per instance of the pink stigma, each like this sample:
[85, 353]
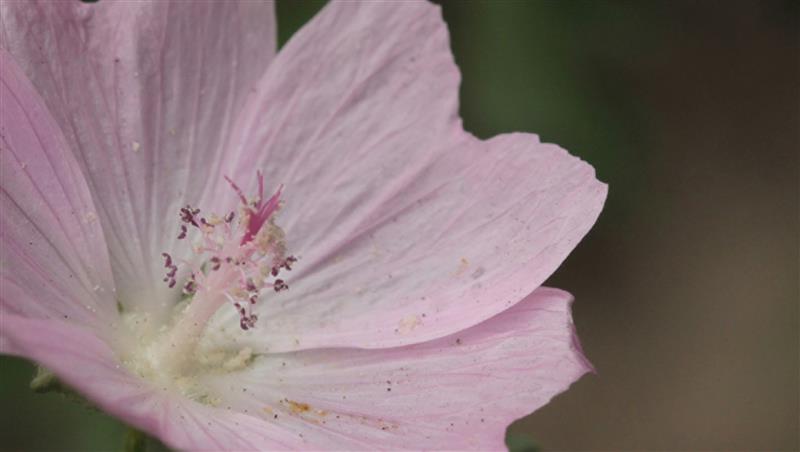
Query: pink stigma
[258, 211]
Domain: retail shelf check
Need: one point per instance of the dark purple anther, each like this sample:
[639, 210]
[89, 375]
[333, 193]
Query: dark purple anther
[279, 285]
[188, 214]
[288, 262]
[216, 263]
[189, 288]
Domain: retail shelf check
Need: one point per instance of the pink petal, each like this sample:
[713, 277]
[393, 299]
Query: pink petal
[89, 366]
[407, 227]
[54, 257]
[145, 92]
[458, 392]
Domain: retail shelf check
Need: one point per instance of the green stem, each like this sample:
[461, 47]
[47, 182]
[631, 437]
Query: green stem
[135, 441]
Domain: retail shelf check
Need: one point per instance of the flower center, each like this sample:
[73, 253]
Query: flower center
[235, 260]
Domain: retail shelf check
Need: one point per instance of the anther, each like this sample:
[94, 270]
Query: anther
[173, 270]
[167, 260]
[216, 263]
[250, 285]
[279, 285]
[287, 263]
[188, 214]
[190, 287]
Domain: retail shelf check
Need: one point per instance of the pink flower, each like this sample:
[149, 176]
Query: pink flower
[414, 316]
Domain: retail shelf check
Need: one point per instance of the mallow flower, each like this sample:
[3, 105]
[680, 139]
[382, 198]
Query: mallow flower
[232, 248]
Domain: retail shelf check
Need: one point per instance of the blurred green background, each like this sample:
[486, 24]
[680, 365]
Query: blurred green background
[687, 288]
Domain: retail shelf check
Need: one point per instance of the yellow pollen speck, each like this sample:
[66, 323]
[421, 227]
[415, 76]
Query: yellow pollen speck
[89, 218]
[239, 361]
[408, 324]
[298, 407]
[462, 267]
[238, 292]
[136, 146]
[272, 237]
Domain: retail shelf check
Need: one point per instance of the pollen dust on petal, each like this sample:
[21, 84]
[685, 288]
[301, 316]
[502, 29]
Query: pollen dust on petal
[298, 407]
[407, 324]
[239, 361]
[463, 265]
[310, 414]
[89, 218]
[303, 410]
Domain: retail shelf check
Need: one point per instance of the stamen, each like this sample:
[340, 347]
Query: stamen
[287, 263]
[188, 215]
[173, 270]
[216, 263]
[279, 285]
[250, 285]
[190, 287]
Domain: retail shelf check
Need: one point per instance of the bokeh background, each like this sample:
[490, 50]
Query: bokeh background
[687, 288]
